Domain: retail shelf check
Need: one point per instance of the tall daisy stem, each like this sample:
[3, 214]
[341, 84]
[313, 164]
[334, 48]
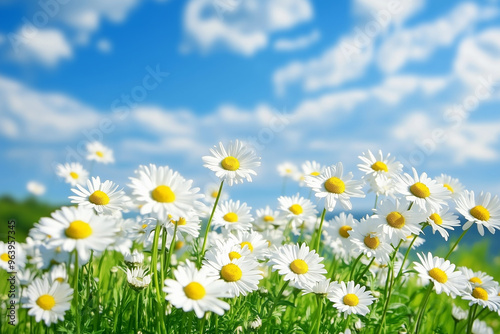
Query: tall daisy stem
[360, 276]
[154, 262]
[77, 294]
[318, 236]
[456, 243]
[202, 253]
[423, 305]
[354, 266]
[172, 246]
[319, 311]
[276, 300]
[472, 316]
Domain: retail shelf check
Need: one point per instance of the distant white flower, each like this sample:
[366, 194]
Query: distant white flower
[379, 167]
[443, 220]
[459, 313]
[351, 299]
[233, 216]
[138, 277]
[134, 259]
[369, 238]
[254, 241]
[311, 168]
[287, 169]
[483, 210]
[59, 273]
[337, 233]
[334, 186]
[481, 327]
[478, 278]
[453, 185]
[103, 197]
[73, 173]
[233, 165]
[96, 151]
[268, 219]
[298, 210]
[322, 288]
[36, 188]
[211, 192]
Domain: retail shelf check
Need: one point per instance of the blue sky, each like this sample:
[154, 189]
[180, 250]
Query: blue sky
[423, 84]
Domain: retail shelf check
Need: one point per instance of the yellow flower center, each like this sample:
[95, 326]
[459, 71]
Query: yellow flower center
[195, 291]
[344, 231]
[268, 219]
[78, 230]
[296, 209]
[5, 257]
[288, 170]
[380, 166]
[351, 299]
[420, 190]
[99, 154]
[395, 219]
[436, 218]
[371, 242]
[246, 243]
[99, 198]
[231, 217]
[231, 272]
[179, 244]
[447, 186]
[214, 193]
[438, 275]
[181, 221]
[230, 163]
[335, 185]
[234, 255]
[480, 293]
[299, 266]
[476, 280]
[480, 212]
[46, 302]
[74, 175]
[315, 173]
[163, 194]
[144, 226]
[59, 279]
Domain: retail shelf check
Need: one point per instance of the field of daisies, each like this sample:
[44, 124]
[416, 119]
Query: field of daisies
[159, 256]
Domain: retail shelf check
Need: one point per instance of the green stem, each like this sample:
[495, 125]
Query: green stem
[278, 297]
[470, 321]
[171, 248]
[376, 201]
[423, 305]
[354, 266]
[137, 300]
[364, 271]
[318, 236]
[162, 254]
[154, 262]
[456, 243]
[202, 253]
[319, 311]
[77, 293]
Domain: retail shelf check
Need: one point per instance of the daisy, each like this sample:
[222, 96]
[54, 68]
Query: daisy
[137, 278]
[351, 299]
[320, 288]
[194, 290]
[124, 235]
[459, 313]
[424, 191]
[6, 255]
[443, 220]
[48, 301]
[100, 153]
[240, 274]
[233, 165]
[398, 220]
[211, 192]
[483, 210]
[36, 188]
[189, 224]
[274, 238]
[442, 273]
[383, 186]
[134, 259]
[298, 210]
[311, 168]
[333, 186]
[453, 185]
[254, 241]
[25, 277]
[233, 216]
[369, 238]
[59, 273]
[52, 255]
[268, 218]
[417, 243]
[338, 229]
[161, 191]
[103, 197]
[287, 169]
[79, 229]
[72, 173]
[478, 278]
[298, 265]
[229, 248]
[481, 327]
[485, 297]
[379, 167]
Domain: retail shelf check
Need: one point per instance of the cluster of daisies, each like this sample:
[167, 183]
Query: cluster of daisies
[196, 251]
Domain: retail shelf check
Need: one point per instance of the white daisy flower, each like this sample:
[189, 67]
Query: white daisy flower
[478, 278]
[369, 238]
[103, 197]
[194, 290]
[233, 216]
[287, 169]
[453, 185]
[52, 255]
[72, 173]
[321, 288]
[398, 220]
[338, 230]
[241, 274]
[48, 301]
[137, 277]
[189, 224]
[268, 218]
[134, 259]
[96, 151]
[230, 248]
[254, 241]
[377, 167]
[298, 210]
[334, 186]
[233, 165]
[36, 188]
[485, 297]
[7, 254]
[442, 273]
[298, 265]
[483, 210]
[351, 299]
[383, 186]
[79, 228]
[459, 313]
[443, 220]
[481, 327]
[59, 273]
[274, 238]
[161, 191]
[424, 191]
[124, 235]
[25, 276]
[211, 192]
[417, 243]
[311, 168]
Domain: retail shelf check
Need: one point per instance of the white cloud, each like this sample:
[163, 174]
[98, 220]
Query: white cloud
[2, 39]
[394, 88]
[47, 46]
[161, 121]
[418, 43]
[104, 46]
[399, 11]
[29, 115]
[240, 26]
[298, 43]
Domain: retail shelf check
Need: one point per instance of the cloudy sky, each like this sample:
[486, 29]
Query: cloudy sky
[162, 81]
